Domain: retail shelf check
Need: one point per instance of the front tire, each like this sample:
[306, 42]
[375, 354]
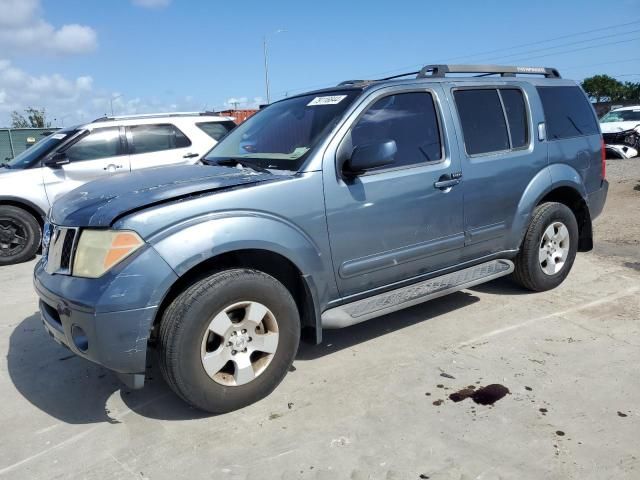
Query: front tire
[20, 235]
[228, 340]
[548, 249]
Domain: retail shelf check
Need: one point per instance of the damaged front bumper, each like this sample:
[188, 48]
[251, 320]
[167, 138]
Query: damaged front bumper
[623, 145]
[107, 320]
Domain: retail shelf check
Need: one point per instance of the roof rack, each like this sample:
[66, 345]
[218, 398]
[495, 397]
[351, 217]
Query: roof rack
[152, 115]
[440, 71]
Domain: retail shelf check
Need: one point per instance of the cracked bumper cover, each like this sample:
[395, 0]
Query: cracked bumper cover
[115, 312]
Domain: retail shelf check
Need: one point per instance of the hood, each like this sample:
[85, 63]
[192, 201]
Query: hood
[615, 127]
[99, 203]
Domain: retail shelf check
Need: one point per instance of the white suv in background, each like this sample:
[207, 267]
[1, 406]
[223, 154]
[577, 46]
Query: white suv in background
[66, 159]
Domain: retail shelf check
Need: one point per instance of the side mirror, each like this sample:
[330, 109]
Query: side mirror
[370, 155]
[57, 160]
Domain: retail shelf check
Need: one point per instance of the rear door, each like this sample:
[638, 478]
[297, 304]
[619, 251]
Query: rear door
[157, 145]
[97, 153]
[500, 155]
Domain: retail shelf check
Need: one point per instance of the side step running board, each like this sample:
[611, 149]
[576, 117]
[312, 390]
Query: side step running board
[404, 297]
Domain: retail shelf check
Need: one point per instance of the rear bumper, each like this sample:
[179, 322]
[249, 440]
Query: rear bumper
[106, 320]
[597, 200]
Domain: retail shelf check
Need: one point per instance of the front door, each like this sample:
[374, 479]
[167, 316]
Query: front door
[394, 223]
[96, 154]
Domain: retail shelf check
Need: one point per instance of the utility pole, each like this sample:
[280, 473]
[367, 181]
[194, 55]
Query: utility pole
[266, 62]
[111, 101]
[266, 68]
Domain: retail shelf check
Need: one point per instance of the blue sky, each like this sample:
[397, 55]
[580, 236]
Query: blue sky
[73, 56]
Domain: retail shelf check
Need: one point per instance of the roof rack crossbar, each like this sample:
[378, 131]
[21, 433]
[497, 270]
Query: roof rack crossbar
[353, 82]
[440, 71]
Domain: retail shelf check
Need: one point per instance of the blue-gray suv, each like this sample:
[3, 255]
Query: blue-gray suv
[321, 211]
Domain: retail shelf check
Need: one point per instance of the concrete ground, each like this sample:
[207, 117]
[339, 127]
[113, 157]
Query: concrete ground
[371, 402]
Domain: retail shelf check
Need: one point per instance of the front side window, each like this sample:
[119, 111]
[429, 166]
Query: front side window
[483, 123]
[156, 138]
[281, 135]
[567, 113]
[410, 120]
[99, 143]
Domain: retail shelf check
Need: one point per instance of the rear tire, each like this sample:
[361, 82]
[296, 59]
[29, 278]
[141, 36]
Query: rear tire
[20, 235]
[228, 340]
[548, 249]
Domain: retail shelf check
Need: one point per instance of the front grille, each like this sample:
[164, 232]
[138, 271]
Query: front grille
[61, 249]
[628, 137]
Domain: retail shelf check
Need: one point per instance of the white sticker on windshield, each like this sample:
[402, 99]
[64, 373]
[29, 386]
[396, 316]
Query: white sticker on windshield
[328, 100]
[58, 136]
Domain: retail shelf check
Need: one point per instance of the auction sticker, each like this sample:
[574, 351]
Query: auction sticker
[328, 100]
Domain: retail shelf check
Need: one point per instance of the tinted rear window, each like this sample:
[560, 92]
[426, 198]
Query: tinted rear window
[482, 119]
[516, 115]
[155, 138]
[216, 130]
[567, 112]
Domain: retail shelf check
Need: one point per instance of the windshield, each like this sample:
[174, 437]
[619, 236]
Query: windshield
[280, 136]
[34, 154]
[622, 116]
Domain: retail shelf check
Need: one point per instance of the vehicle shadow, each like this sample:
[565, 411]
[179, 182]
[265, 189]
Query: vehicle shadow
[76, 391]
[501, 286]
[336, 340]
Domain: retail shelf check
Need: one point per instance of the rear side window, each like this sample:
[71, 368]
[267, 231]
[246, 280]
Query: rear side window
[567, 112]
[216, 130]
[408, 118]
[100, 143]
[482, 119]
[155, 138]
[514, 107]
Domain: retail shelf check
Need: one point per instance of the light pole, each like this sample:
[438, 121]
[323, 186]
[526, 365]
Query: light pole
[266, 62]
[112, 99]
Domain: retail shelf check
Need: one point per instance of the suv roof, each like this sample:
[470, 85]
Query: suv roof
[143, 116]
[441, 71]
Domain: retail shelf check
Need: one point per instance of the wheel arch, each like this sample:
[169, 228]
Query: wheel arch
[26, 205]
[301, 286]
[555, 183]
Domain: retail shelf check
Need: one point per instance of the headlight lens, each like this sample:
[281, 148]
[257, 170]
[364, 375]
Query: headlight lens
[100, 250]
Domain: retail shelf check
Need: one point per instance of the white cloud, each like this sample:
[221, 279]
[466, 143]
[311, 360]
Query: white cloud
[152, 3]
[22, 29]
[74, 100]
[243, 102]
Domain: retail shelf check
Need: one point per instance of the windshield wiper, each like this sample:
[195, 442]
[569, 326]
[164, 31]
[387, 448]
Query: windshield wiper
[5, 165]
[233, 161]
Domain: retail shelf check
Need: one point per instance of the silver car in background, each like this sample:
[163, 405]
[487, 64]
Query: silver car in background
[68, 158]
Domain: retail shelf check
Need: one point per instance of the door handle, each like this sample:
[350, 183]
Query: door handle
[190, 155]
[112, 167]
[448, 180]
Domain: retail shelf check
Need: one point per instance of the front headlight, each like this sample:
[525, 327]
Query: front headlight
[100, 250]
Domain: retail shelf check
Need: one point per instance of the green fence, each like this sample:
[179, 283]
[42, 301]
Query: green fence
[14, 141]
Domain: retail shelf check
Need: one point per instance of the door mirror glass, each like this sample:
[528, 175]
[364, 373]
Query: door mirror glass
[57, 160]
[370, 155]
